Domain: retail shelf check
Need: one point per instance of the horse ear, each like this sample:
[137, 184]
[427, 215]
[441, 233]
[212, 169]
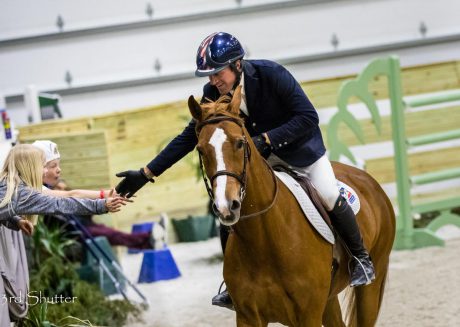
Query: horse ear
[236, 101]
[195, 108]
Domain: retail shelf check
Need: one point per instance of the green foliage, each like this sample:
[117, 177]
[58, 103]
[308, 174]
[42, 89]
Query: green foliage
[38, 318]
[49, 242]
[53, 278]
[94, 306]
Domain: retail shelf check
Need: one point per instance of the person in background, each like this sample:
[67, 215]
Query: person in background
[55, 186]
[21, 189]
[21, 196]
[14, 281]
[284, 127]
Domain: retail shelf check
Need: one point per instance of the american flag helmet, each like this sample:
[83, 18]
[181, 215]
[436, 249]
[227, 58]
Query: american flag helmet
[216, 52]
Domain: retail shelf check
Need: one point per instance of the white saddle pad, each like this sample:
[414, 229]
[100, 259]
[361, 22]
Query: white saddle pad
[309, 208]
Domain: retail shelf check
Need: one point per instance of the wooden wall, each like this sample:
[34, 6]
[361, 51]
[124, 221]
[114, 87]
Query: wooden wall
[134, 137]
[85, 158]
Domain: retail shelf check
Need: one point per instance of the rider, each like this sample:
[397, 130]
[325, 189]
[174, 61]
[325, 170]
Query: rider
[284, 126]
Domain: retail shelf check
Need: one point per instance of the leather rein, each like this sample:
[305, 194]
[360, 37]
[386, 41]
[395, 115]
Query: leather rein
[242, 178]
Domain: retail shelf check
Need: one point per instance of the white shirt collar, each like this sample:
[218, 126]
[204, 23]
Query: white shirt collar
[243, 105]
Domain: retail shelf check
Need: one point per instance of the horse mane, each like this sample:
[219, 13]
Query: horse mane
[218, 108]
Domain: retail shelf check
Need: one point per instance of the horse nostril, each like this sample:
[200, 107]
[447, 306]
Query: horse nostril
[235, 205]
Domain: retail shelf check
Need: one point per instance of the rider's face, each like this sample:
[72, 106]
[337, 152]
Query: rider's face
[224, 80]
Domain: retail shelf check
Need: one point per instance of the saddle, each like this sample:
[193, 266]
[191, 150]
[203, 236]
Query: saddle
[311, 192]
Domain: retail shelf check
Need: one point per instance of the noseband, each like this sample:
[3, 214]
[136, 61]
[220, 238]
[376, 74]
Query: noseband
[242, 178]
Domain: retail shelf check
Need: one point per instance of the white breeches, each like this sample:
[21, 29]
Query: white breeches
[320, 174]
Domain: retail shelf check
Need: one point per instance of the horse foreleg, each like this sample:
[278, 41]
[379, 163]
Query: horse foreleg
[254, 321]
[332, 315]
[309, 320]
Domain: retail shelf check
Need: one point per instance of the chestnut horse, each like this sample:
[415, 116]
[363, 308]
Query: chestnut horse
[277, 268]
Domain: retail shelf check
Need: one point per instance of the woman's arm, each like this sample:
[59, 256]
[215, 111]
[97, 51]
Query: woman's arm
[88, 194]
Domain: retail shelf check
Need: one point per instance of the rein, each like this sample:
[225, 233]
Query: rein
[242, 178]
[275, 196]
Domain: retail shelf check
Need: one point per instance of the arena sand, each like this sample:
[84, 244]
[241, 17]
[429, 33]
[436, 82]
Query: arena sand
[423, 287]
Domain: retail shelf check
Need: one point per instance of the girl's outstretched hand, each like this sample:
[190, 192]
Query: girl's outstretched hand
[113, 204]
[26, 226]
[112, 193]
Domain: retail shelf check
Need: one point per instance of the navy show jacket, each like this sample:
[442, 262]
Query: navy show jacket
[277, 106]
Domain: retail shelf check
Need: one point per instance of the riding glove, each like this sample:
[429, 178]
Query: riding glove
[262, 146]
[132, 182]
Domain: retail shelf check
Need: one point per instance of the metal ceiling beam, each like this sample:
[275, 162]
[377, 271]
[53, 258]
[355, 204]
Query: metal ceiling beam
[150, 23]
[310, 58]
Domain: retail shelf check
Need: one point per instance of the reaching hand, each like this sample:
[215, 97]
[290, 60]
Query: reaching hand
[132, 182]
[112, 193]
[114, 204]
[26, 226]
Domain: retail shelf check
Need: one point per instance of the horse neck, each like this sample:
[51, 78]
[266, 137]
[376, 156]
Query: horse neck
[260, 184]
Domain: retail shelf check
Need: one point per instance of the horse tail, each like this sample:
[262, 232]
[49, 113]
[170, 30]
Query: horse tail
[349, 302]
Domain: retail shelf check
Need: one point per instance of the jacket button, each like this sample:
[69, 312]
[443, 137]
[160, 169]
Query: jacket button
[254, 124]
[285, 143]
[280, 145]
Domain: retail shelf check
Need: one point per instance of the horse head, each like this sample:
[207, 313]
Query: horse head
[224, 153]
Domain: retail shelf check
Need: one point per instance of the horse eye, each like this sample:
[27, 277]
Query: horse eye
[239, 144]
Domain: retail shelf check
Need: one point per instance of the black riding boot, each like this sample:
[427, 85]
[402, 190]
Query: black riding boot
[344, 221]
[223, 299]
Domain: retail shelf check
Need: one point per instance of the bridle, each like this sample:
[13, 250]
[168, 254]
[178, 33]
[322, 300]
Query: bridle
[242, 178]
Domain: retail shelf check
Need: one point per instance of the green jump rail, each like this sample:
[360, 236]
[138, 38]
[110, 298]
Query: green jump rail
[435, 137]
[435, 176]
[425, 100]
[407, 236]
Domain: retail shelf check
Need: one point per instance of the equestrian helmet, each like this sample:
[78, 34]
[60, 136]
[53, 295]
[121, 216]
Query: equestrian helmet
[216, 52]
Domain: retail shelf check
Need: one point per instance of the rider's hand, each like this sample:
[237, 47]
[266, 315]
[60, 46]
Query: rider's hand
[26, 226]
[132, 182]
[262, 146]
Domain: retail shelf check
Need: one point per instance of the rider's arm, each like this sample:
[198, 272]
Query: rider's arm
[178, 148]
[304, 118]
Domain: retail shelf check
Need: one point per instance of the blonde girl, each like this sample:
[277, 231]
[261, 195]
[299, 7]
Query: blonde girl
[21, 185]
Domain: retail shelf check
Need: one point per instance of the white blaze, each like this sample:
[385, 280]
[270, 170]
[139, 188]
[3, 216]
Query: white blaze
[217, 141]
